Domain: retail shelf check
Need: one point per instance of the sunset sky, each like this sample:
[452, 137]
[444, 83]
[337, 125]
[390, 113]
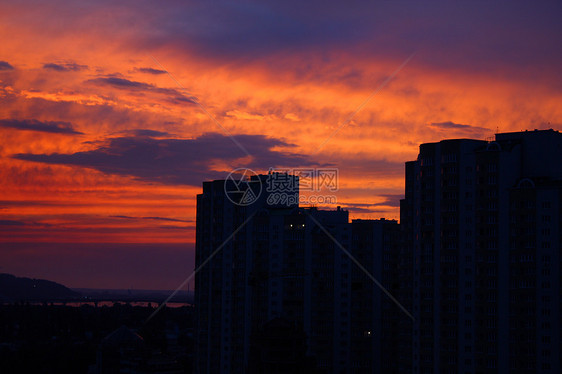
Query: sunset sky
[112, 115]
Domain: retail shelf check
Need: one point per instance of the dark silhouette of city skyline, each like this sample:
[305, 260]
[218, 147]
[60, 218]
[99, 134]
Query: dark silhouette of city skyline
[468, 281]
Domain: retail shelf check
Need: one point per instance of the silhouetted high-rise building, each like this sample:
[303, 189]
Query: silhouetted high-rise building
[232, 249]
[375, 319]
[282, 295]
[482, 223]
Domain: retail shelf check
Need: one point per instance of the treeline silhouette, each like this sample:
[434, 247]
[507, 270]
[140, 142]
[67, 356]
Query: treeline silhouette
[55, 339]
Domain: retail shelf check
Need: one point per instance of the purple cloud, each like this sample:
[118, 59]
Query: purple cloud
[55, 127]
[150, 71]
[8, 222]
[5, 66]
[134, 86]
[64, 67]
[155, 218]
[176, 161]
[149, 133]
[446, 35]
[391, 200]
[474, 131]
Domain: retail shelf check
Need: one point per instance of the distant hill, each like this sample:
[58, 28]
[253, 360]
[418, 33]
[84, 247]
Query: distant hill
[14, 289]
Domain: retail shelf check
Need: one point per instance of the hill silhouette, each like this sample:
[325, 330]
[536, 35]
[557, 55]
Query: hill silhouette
[14, 289]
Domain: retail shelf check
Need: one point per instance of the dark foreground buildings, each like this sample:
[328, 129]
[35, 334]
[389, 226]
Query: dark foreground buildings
[282, 295]
[476, 261]
[483, 221]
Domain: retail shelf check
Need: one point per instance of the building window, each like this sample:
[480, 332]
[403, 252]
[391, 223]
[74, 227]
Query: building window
[451, 157]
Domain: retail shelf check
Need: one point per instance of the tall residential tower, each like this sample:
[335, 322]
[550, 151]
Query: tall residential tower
[482, 223]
